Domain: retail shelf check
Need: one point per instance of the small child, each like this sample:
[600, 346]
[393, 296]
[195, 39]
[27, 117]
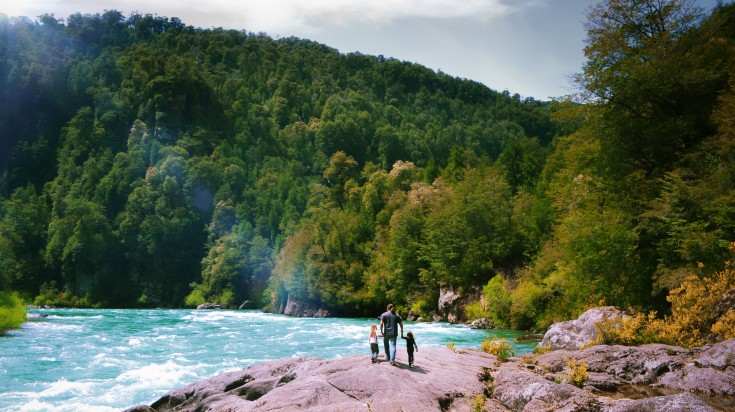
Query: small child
[374, 341]
[410, 345]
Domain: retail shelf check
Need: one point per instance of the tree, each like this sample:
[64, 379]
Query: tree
[341, 169]
[654, 78]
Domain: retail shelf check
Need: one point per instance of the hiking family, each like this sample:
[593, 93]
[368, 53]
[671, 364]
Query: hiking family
[390, 321]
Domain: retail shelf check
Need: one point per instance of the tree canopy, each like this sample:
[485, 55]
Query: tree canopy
[145, 162]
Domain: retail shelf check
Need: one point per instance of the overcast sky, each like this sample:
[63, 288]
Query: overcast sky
[529, 47]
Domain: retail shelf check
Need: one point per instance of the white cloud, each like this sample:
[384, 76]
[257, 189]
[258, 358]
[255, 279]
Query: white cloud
[276, 16]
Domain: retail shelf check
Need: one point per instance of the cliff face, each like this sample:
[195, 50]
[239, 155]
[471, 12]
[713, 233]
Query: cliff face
[299, 308]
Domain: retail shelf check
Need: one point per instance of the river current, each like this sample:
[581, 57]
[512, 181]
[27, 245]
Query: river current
[109, 360]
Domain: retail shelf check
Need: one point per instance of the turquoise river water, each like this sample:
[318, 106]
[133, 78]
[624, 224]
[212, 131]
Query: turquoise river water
[109, 360]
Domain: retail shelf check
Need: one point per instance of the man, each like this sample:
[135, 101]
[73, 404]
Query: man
[389, 322]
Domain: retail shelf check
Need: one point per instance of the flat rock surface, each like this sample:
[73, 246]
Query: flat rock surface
[440, 380]
[649, 378]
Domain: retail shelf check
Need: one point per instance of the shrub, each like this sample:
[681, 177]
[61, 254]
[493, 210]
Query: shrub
[450, 346]
[577, 372]
[50, 296]
[500, 348]
[694, 318]
[632, 330]
[529, 301]
[475, 311]
[12, 312]
[724, 328]
[497, 300]
[421, 307]
[195, 297]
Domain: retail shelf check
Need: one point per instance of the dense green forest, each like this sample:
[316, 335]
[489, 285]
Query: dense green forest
[147, 163]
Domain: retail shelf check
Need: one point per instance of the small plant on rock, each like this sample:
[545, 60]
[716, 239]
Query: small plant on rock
[577, 372]
[479, 403]
[450, 345]
[541, 349]
[486, 377]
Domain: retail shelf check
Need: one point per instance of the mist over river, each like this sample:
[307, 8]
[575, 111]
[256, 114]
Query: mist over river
[108, 360]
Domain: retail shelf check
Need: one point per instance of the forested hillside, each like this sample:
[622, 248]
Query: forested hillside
[148, 163]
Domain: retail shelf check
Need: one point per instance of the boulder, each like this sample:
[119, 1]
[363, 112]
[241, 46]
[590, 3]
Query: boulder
[482, 323]
[322, 313]
[574, 334]
[209, 306]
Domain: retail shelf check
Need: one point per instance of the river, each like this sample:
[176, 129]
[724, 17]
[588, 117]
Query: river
[109, 360]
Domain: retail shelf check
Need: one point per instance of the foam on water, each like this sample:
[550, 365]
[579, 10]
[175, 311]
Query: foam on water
[103, 360]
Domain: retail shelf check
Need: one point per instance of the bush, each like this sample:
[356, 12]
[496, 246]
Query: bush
[12, 312]
[500, 348]
[724, 328]
[529, 301]
[632, 330]
[50, 296]
[694, 320]
[497, 300]
[195, 297]
[475, 311]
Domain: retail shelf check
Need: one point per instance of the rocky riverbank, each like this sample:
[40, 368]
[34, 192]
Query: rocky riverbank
[619, 378]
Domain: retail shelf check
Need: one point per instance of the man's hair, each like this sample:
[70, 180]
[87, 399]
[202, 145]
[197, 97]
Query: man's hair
[390, 306]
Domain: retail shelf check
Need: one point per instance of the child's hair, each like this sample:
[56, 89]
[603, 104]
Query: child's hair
[409, 334]
[373, 329]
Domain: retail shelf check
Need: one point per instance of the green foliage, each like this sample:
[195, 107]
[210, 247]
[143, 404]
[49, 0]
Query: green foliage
[195, 297]
[529, 301]
[149, 163]
[498, 300]
[12, 312]
[474, 311]
[49, 295]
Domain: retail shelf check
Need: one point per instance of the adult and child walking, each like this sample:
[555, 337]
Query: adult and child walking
[390, 321]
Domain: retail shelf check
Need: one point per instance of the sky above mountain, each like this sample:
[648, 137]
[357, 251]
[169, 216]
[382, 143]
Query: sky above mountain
[529, 47]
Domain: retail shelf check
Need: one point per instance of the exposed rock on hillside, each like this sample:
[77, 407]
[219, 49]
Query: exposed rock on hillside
[300, 308]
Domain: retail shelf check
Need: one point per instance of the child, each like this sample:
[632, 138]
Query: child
[374, 341]
[410, 345]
